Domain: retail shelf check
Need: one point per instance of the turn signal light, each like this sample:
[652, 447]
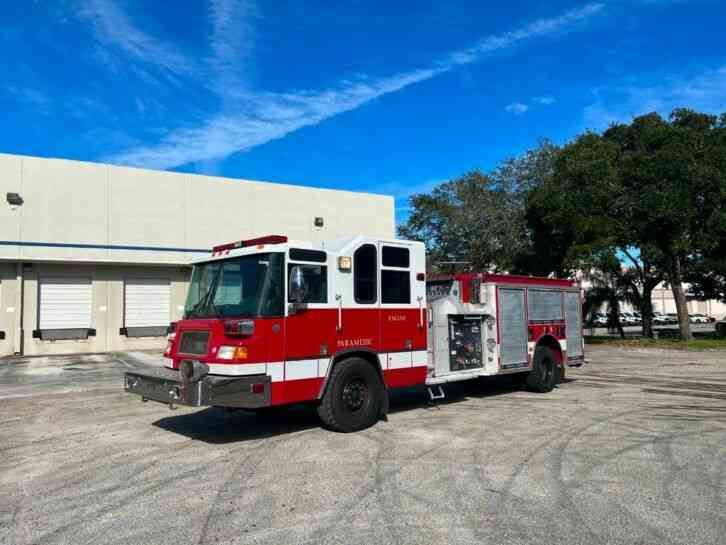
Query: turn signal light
[232, 353]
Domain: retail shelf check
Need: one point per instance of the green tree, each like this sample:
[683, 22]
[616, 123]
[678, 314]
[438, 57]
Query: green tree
[581, 214]
[544, 249]
[650, 191]
[707, 273]
[469, 222]
[677, 169]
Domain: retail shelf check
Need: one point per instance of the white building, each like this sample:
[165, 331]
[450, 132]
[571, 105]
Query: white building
[96, 257]
[664, 302]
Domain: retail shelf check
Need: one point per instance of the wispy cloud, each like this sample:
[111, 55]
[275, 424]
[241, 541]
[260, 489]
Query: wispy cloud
[516, 108]
[262, 117]
[232, 41]
[704, 91]
[113, 27]
[259, 117]
[519, 108]
[35, 99]
[539, 28]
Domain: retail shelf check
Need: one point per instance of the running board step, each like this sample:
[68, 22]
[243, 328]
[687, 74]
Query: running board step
[433, 396]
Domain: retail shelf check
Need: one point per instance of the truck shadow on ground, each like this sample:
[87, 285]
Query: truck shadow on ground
[218, 426]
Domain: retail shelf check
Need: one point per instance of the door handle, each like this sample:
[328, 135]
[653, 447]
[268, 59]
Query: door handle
[339, 298]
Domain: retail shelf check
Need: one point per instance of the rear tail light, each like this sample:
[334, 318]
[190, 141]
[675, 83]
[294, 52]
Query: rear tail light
[257, 388]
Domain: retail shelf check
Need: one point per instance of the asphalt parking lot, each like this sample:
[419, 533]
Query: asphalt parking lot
[632, 449]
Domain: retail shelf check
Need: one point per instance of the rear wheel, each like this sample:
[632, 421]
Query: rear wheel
[353, 397]
[544, 374]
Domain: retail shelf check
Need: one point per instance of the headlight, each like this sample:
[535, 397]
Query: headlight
[232, 353]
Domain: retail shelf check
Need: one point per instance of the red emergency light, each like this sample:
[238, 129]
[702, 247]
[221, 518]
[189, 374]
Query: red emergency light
[268, 239]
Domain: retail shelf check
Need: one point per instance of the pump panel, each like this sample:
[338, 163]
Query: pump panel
[465, 342]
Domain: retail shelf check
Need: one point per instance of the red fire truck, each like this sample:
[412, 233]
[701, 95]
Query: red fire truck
[270, 321]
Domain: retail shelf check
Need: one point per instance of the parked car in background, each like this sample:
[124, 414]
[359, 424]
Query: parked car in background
[633, 318]
[708, 319]
[626, 318]
[599, 319]
[698, 319]
[660, 319]
[672, 318]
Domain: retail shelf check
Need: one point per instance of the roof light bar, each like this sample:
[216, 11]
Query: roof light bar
[268, 239]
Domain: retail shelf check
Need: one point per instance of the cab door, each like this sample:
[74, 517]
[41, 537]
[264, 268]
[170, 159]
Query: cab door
[403, 327]
[310, 323]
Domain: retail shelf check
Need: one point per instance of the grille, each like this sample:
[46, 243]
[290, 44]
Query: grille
[194, 342]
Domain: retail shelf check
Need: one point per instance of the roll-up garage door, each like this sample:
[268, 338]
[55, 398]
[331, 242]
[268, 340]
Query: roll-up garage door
[64, 307]
[147, 306]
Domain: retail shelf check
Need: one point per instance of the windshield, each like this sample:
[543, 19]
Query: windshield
[247, 286]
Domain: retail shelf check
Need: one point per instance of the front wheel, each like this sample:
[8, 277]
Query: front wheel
[544, 374]
[353, 397]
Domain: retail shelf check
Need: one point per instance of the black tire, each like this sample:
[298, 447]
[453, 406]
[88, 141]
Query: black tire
[353, 397]
[544, 374]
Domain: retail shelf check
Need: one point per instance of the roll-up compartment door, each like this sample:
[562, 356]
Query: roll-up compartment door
[573, 320]
[512, 327]
[544, 305]
[147, 303]
[64, 307]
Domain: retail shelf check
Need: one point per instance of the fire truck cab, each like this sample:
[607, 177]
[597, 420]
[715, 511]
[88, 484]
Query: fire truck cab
[270, 321]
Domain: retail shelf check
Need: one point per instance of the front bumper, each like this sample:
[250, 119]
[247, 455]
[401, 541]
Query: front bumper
[167, 386]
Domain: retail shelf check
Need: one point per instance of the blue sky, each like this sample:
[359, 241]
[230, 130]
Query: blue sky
[386, 97]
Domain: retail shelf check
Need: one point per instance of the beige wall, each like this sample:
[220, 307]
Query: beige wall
[69, 204]
[107, 306]
[75, 203]
[9, 308]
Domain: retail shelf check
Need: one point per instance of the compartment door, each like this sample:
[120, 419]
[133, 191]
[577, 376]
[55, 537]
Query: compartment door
[512, 328]
[573, 319]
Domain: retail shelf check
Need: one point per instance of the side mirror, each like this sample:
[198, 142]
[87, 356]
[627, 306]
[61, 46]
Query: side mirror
[297, 290]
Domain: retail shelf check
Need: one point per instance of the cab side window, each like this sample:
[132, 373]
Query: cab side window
[316, 282]
[395, 276]
[364, 274]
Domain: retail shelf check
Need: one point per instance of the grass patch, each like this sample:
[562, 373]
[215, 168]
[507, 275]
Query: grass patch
[671, 344]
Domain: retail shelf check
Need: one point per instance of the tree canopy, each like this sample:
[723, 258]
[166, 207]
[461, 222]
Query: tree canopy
[650, 194]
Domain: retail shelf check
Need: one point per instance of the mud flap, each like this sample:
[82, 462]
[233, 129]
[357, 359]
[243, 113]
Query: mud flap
[384, 405]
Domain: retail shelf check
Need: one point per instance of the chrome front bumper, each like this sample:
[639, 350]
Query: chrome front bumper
[167, 386]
